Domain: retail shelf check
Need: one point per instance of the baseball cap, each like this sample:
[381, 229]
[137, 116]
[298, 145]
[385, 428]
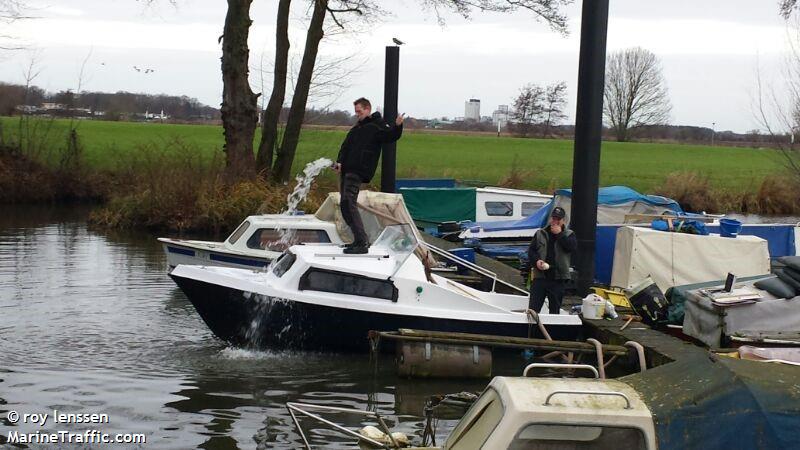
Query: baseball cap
[558, 213]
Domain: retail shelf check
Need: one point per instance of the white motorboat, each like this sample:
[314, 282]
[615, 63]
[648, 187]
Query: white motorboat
[316, 297]
[259, 239]
[494, 203]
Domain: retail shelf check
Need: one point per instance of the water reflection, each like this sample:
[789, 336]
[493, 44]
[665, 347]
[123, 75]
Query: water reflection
[89, 322]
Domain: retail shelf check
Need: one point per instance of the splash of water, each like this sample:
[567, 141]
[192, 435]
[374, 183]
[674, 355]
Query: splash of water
[300, 192]
[234, 353]
[304, 181]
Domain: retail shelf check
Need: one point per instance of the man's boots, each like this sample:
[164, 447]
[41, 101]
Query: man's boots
[356, 248]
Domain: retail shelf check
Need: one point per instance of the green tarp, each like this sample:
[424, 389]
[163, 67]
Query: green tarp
[716, 402]
[432, 206]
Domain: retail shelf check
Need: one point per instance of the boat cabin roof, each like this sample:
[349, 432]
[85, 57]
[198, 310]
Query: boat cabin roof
[539, 413]
[527, 396]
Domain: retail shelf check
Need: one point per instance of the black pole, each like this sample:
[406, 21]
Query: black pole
[390, 89]
[588, 134]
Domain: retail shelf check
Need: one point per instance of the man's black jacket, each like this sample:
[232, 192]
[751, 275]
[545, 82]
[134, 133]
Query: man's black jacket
[362, 146]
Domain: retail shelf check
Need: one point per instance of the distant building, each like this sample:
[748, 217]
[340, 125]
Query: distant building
[155, 116]
[500, 116]
[472, 110]
[53, 106]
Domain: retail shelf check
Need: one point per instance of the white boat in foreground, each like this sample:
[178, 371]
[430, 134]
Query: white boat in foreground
[315, 297]
[527, 413]
[533, 413]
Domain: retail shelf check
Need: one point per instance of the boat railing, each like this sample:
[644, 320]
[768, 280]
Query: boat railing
[300, 408]
[472, 266]
[606, 393]
[563, 366]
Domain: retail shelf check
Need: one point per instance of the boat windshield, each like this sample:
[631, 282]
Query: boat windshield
[398, 240]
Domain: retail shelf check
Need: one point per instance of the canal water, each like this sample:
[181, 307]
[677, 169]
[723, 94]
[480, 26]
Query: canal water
[90, 323]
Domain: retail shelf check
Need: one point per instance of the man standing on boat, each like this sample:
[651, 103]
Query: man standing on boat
[356, 164]
[549, 256]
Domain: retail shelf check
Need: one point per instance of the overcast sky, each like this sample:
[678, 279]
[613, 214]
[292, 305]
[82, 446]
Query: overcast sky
[710, 51]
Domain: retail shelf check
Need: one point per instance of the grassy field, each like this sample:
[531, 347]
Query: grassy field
[543, 163]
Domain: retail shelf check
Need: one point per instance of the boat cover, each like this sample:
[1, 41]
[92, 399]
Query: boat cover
[768, 318]
[678, 295]
[613, 203]
[378, 209]
[675, 259]
[710, 401]
[432, 206]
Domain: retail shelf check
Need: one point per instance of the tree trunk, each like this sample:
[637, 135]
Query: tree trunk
[269, 121]
[283, 163]
[239, 108]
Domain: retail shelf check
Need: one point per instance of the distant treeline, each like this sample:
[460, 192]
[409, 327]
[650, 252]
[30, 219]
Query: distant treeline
[18, 99]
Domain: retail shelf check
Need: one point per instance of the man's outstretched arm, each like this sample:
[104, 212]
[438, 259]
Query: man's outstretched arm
[393, 133]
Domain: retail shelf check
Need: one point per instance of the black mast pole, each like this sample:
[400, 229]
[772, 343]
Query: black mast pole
[390, 90]
[588, 134]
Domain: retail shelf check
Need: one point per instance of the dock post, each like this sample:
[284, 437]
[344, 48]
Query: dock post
[588, 135]
[390, 91]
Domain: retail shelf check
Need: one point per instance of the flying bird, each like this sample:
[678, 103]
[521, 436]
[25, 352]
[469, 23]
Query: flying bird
[397, 41]
[137, 69]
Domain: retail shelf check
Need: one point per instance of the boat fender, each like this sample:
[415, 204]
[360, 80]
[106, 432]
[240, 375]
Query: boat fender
[375, 434]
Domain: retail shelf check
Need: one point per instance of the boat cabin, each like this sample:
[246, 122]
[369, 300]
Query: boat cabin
[547, 413]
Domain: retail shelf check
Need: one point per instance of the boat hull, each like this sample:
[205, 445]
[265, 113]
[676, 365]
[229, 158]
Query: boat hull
[255, 320]
[197, 256]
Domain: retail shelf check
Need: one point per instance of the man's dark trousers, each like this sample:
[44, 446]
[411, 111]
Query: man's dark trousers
[552, 289]
[350, 185]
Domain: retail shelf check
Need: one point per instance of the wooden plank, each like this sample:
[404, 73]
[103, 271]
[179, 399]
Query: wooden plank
[475, 339]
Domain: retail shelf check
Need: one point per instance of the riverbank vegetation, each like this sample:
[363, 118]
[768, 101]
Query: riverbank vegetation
[170, 176]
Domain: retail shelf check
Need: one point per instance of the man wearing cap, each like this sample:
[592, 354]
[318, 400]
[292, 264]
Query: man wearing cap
[549, 256]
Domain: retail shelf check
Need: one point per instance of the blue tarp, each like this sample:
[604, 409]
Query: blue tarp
[780, 238]
[611, 195]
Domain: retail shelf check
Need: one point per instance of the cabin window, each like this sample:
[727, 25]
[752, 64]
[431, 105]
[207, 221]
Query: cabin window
[239, 232]
[529, 208]
[478, 423]
[270, 239]
[499, 208]
[346, 283]
[539, 436]
[283, 264]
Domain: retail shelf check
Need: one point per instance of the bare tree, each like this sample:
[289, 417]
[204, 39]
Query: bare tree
[269, 120]
[777, 107]
[10, 12]
[330, 77]
[528, 108]
[283, 162]
[555, 100]
[239, 103]
[635, 92]
[786, 7]
[337, 11]
[550, 11]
